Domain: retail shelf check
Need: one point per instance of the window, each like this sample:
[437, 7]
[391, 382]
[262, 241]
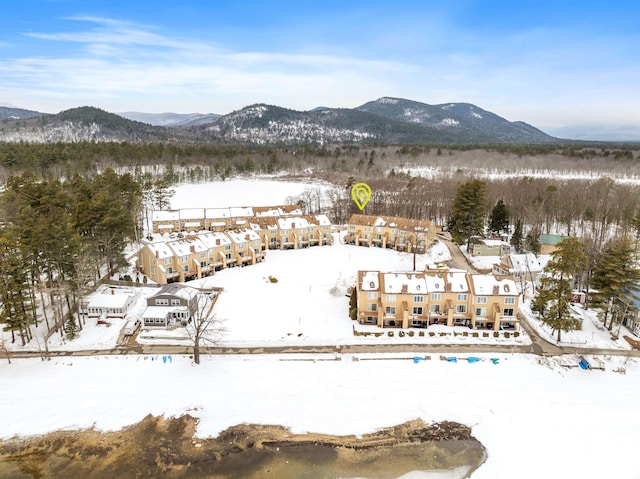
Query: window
[185, 268]
[510, 300]
[352, 227]
[168, 260]
[227, 247]
[228, 256]
[162, 302]
[367, 228]
[507, 312]
[372, 295]
[285, 232]
[462, 297]
[153, 271]
[311, 236]
[203, 264]
[434, 308]
[240, 245]
[390, 310]
[481, 312]
[417, 310]
[391, 298]
[366, 236]
[175, 302]
[203, 254]
[169, 270]
[310, 229]
[210, 251]
[184, 259]
[372, 307]
[482, 300]
[461, 308]
[435, 296]
[418, 299]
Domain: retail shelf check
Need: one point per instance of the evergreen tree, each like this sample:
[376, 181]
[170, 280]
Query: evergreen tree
[499, 219]
[516, 238]
[71, 328]
[552, 302]
[616, 275]
[469, 208]
[532, 241]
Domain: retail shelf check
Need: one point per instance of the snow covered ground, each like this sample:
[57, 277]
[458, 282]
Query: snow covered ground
[241, 192]
[536, 418]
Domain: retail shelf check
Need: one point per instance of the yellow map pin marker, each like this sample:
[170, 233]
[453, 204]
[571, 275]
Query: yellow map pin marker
[361, 194]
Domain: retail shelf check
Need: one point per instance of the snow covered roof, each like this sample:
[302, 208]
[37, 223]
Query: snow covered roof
[211, 240]
[241, 211]
[191, 213]
[217, 213]
[369, 280]
[489, 285]
[292, 222]
[323, 220]
[107, 300]
[525, 263]
[493, 242]
[159, 311]
[184, 247]
[177, 289]
[160, 250]
[165, 215]
[410, 283]
[242, 235]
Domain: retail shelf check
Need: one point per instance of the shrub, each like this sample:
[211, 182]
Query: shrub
[353, 314]
[273, 279]
[507, 335]
[516, 334]
[410, 333]
[496, 334]
[485, 334]
[421, 333]
[475, 335]
[390, 333]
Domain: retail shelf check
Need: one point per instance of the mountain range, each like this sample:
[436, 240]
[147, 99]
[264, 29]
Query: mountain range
[383, 121]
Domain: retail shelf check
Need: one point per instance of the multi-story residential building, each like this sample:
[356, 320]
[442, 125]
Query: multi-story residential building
[400, 234]
[215, 219]
[452, 298]
[199, 255]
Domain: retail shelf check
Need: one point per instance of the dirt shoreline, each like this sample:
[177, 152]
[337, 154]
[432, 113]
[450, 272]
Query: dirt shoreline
[161, 447]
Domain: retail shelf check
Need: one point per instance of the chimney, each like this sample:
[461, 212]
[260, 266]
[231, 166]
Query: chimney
[405, 289]
[246, 237]
[192, 248]
[496, 289]
[157, 255]
[293, 225]
[447, 287]
[217, 241]
[113, 291]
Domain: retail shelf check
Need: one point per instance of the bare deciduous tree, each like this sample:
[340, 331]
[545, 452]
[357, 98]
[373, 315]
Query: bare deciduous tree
[203, 327]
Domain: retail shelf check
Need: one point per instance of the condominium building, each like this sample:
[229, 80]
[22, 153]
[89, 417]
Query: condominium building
[400, 234]
[451, 298]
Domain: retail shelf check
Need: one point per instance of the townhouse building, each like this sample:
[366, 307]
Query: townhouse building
[215, 219]
[451, 298]
[400, 234]
[199, 255]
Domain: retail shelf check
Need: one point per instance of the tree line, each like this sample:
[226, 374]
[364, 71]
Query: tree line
[57, 239]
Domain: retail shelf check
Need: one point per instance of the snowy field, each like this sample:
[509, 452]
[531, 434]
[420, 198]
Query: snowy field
[257, 192]
[536, 420]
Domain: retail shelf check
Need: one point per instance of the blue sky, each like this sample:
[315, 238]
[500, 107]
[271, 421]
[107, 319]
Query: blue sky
[549, 63]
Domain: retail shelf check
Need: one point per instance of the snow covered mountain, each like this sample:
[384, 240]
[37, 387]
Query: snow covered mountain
[384, 121]
[465, 118]
[13, 113]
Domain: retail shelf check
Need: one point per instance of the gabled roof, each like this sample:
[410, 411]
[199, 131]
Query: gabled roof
[165, 215]
[176, 289]
[489, 285]
[107, 300]
[243, 235]
[160, 250]
[392, 222]
[369, 280]
[523, 263]
[408, 283]
[213, 239]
